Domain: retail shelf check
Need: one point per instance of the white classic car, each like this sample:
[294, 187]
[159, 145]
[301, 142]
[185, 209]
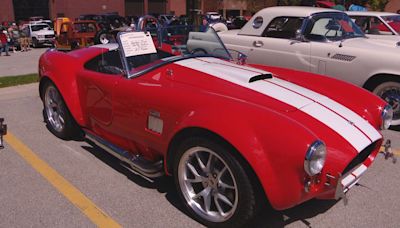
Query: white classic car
[377, 25]
[40, 33]
[322, 41]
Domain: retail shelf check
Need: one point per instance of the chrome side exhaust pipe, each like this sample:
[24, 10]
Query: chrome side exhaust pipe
[137, 163]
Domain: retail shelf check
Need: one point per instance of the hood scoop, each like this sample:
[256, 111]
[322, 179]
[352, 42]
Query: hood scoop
[260, 77]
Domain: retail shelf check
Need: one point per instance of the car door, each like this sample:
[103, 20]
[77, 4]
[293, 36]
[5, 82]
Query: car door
[331, 53]
[124, 111]
[98, 81]
[277, 45]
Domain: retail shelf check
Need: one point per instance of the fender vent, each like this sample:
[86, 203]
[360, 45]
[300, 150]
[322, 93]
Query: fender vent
[347, 58]
[260, 77]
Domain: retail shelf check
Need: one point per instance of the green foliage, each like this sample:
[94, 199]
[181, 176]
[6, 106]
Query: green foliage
[18, 80]
[289, 2]
[377, 5]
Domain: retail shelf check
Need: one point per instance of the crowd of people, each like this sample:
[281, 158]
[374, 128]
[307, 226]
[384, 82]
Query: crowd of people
[13, 38]
[343, 5]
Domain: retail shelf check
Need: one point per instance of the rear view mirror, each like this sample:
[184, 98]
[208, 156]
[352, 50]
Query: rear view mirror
[332, 25]
[3, 131]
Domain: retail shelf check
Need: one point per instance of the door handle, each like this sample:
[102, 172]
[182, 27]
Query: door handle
[258, 43]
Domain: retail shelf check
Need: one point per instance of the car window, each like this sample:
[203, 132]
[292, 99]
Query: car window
[372, 25]
[332, 27]
[64, 28]
[39, 27]
[283, 27]
[377, 26]
[393, 21]
[107, 63]
[84, 27]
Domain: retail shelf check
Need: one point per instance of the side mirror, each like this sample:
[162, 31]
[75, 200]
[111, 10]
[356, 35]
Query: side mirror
[242, 58]
[299, 37]
[3, 131]
[238, 56]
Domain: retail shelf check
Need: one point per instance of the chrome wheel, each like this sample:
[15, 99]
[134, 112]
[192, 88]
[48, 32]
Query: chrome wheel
[390, 92]
[53, 108]
[207, 184]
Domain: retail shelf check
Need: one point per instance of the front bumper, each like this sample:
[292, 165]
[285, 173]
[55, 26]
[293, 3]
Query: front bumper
[351, 178]
[45, 40]
[347, 181]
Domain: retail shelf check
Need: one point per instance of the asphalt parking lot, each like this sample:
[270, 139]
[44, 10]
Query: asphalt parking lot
[48, 182]
[20, 63]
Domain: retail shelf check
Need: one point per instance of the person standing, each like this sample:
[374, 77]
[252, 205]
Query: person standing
[23, 40]
[4, 42]
[358, 5]
[14, 36]
[339, 5]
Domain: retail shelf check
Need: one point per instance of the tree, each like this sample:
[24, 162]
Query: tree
[377, 5]
[289, 2]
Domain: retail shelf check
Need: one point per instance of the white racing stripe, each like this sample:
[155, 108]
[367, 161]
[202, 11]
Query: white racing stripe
[348, 114]
[356, 130]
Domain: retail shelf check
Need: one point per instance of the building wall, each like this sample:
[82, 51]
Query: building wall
[134, 7]
[177, 6]
[6, 11]
[211, 6]
[74, 8]
[393, 6]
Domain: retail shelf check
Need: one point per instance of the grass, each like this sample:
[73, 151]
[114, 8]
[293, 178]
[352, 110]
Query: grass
[8, 81]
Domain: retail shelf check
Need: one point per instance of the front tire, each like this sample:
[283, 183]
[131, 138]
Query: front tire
[56, 114]
[390, 92]
[213, 184]
[35, 43]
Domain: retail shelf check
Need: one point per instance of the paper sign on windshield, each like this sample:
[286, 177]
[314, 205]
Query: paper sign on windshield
[137, 43]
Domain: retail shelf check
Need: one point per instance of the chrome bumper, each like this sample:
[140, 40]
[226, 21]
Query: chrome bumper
[347, 181]
[352, 177]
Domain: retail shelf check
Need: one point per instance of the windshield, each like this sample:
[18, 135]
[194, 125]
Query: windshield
[39, 27]
[393, 21]
[170, 44]
[332, 27]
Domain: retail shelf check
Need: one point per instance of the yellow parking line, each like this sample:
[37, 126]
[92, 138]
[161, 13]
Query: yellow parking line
[395, 151]
[95, 214]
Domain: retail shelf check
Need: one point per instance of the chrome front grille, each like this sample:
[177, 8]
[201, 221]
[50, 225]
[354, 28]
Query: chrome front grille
[360, 158]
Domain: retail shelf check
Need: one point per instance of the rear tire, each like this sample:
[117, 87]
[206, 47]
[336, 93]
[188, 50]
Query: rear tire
[56, 114]
[212, 184]
[103, 37]
[35, 43]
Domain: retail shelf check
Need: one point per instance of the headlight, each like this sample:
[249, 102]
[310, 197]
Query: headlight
[387, 116]
[315, 158]
[40, 36]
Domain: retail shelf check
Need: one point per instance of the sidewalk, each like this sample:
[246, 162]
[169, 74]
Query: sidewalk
[21, 62]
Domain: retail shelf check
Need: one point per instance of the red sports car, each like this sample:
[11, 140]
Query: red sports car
[233, 136]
